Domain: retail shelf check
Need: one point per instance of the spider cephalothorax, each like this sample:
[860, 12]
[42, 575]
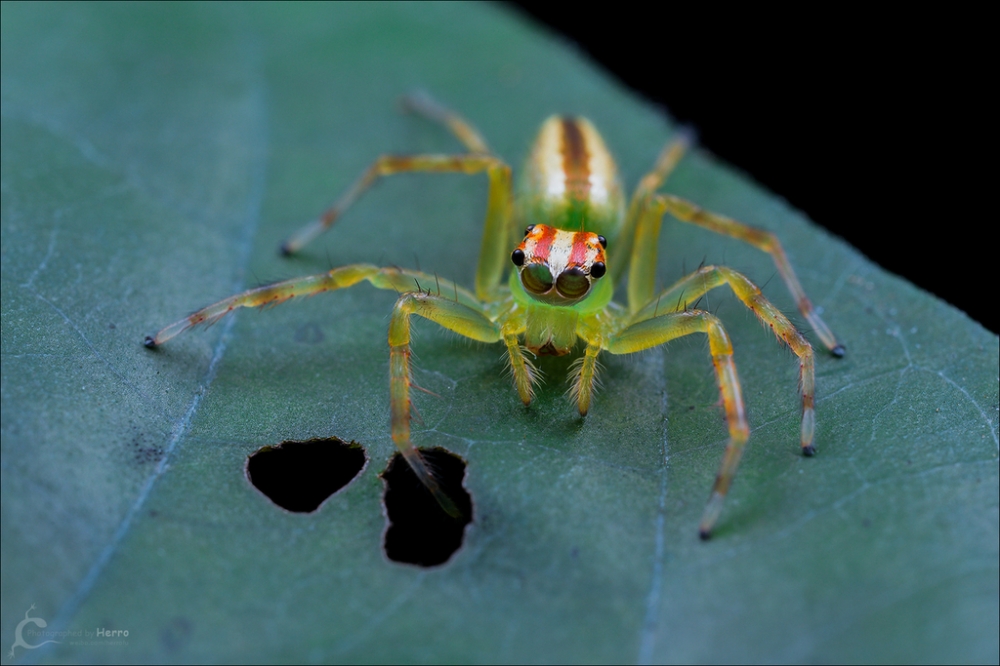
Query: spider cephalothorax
[572, 198]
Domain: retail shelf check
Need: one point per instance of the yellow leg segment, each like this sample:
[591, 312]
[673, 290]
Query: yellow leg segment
[451, 315]
[690, 288]
[397, 279]
[584, 378]
[522, 369]
[620, 252]
[421, 103]
[663, 328]
[494, 250]
[762, 240]
[642, 264]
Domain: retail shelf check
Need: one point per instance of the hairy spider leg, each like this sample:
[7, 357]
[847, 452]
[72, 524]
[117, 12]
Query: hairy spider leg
[685, 211]
[621, 253]
[663, 328]
[457, 317]
[493, 253]
[512, 325]
[584, 378]
[397, 279]
[594, 329]
[691, 287]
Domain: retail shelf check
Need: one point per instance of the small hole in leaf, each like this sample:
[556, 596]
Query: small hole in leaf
[419, 531]
[299, 476]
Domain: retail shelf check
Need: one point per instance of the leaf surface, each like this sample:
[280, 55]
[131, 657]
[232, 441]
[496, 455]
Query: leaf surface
[152, 159]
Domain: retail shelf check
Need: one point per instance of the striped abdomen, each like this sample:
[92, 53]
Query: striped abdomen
[571, 181]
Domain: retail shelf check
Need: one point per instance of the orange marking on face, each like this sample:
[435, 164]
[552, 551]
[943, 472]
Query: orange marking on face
[581, 249]
[543, 236]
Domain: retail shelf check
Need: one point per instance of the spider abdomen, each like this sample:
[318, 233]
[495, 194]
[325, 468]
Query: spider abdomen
[570, 180]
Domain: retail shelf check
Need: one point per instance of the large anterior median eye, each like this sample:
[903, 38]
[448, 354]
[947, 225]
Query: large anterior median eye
[536, 278]
[572, 283]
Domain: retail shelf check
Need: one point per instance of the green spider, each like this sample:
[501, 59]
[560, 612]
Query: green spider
[580, 235]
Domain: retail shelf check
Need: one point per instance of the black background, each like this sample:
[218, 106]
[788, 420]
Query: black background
[873, 125]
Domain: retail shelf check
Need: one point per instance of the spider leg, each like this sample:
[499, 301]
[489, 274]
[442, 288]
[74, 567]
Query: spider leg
[663, 328]
[397, 279]
[458, 317]
[493, 252]
[423, 104]
[765, 241]
[584, 378]
[522, 369]
[690, 288]
[621, 251]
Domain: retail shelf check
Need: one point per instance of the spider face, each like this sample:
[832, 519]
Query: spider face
[559, 267]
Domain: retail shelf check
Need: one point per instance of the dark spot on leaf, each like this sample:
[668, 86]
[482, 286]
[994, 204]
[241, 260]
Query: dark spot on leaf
[176, 634]
[299, 476]
[310, 334]
[144, 453]
[419, 531]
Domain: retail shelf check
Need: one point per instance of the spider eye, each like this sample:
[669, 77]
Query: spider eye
[517, 256]
[603, 241]
[536, 278]
[573, 283]
[527, 229]
[598, 270]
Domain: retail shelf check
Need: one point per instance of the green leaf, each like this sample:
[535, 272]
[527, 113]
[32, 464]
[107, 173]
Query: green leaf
[152, 159]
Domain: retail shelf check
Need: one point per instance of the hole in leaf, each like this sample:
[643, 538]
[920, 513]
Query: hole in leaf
[299, 476]
[419, 531]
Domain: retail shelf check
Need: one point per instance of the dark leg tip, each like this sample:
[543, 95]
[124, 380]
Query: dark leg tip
[705, 535]
[838, 351]
[150, 342]
[284, 250]
[809, 451]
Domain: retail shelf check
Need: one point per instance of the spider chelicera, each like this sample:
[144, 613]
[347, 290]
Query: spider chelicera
[580, 235]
